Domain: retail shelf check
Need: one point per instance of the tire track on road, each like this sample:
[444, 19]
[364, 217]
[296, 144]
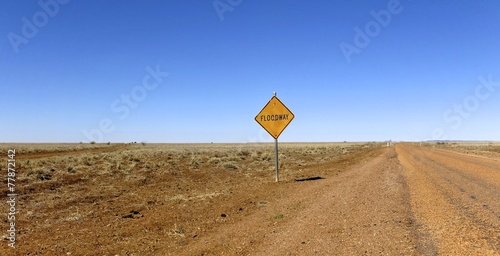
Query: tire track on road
[454, 199]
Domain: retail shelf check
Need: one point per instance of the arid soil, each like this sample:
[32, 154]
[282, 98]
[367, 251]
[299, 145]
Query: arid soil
[332, 199]
[455, 200]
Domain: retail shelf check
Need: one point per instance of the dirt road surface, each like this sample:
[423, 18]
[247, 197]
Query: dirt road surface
[455, 199]
[402, 200]
[365, 210]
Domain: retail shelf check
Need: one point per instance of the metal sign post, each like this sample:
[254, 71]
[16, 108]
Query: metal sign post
[274, 118]
[276, 157]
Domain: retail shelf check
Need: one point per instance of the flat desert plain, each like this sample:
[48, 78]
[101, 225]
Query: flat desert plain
[222, 199]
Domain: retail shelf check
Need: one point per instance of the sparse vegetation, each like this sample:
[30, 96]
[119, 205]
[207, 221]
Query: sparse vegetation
[195, 185]
[89, 179]
[177, 231]
[278, 217]
[214, 160]
[230, 166]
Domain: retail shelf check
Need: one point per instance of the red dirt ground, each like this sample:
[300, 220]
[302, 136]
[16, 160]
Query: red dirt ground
[365, 200]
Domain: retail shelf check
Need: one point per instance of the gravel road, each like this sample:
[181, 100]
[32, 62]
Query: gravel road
[404, 200]
[455, 199]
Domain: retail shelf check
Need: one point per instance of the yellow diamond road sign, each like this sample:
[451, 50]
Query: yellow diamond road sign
[274, 117]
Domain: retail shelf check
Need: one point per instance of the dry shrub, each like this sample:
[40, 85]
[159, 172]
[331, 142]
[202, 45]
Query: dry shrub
[268, 156]
[230, 166]
[244, 152]
[214, 160]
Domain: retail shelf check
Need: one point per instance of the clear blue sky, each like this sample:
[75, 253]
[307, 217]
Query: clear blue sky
[416, 77]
